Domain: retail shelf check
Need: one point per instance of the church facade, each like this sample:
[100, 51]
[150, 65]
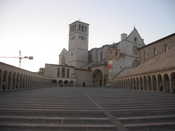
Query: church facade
[79, 66]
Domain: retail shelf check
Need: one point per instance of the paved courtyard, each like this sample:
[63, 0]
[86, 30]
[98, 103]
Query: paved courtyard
[86, 109]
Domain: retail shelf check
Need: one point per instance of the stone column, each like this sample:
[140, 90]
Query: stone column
[6, 81]
[151, 84]
[1, 80]
[163, 84]
[171, 88]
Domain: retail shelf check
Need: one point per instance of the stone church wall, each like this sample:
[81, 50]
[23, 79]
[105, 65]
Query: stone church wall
[84, 78]
[156, 48]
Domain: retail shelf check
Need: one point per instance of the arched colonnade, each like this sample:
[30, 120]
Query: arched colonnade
[12, 78]
[164, 82]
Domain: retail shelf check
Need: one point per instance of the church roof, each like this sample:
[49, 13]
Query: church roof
[78, 21]
[158, 40]
[63, 52]
[134, 31]
[115, 44]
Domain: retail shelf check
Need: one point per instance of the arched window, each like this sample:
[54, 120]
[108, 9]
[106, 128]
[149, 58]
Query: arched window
[101, 56]
[58, 72]
[165, 47]
[85, 29]
[155, 51]
[82, 28]
[74, 29]
[63, 72]
[68, 73]
[79, 27]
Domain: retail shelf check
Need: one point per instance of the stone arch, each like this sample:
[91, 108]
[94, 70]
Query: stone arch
[60, 83]
[145, 85]
[149, 83]
[4, 85]
[137, 83]
[125, 82]
[154, 83]
[28, 81]
[14, 80]
[25, 81]
[105, 79]
[84, 84]
[97, 78]
[0, 79]
[71, 83]
[130, 83]
[141, 83]
[65, 83]
[24, 77]
[173, 81]
[133, 83]
[17, 80]
[160, 83]
[21, 80]
[122, 83]
[166, 83]
[9, 81]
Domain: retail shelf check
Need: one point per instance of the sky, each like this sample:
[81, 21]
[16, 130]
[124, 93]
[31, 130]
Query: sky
[40, 28]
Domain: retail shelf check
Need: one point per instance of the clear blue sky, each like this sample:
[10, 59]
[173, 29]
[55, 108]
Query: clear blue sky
[40, 27]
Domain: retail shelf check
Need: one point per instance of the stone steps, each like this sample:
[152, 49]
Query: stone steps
[63, 113]
[55, 127]
[86, 109]
[53, 120]
[147, 119]
[154, 126]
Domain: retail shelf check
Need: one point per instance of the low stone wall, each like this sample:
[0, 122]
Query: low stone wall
[13, 78]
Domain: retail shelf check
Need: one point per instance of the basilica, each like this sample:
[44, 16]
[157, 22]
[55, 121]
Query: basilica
[79, 66]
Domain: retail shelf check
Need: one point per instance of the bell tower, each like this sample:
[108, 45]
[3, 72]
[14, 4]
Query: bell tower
[78, 43]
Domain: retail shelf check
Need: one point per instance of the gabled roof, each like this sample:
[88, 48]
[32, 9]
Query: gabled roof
[63, 52]
[134, 31]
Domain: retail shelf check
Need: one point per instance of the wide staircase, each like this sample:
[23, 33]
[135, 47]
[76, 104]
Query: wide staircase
[86, 109]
